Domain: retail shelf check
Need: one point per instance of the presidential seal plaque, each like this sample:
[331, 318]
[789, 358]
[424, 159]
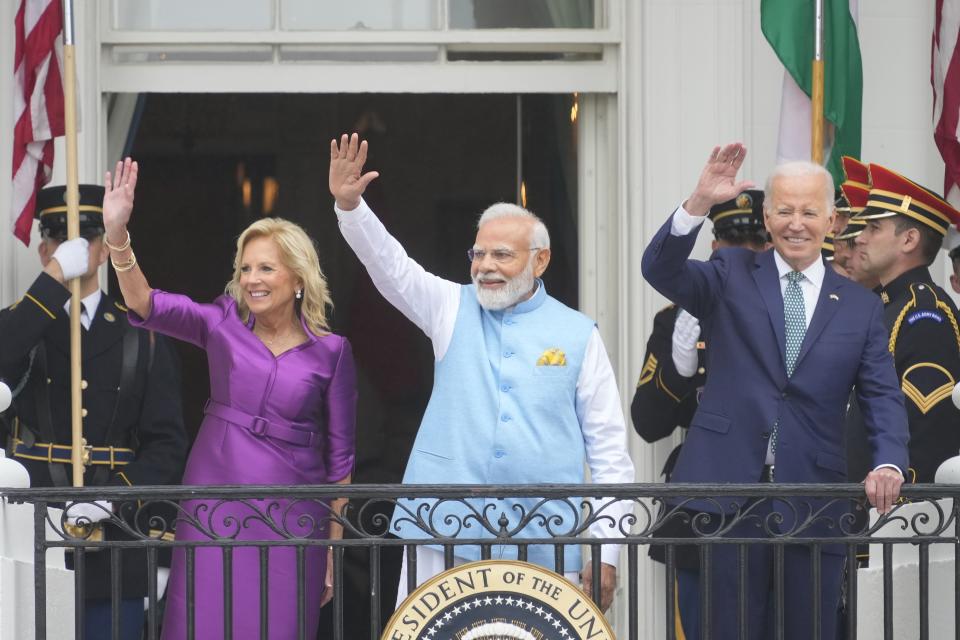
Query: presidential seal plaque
[498, 600]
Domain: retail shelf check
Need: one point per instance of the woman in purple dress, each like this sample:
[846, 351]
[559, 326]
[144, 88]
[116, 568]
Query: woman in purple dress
[281, 412]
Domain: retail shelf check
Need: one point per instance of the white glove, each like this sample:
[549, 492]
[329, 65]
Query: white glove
[89, 512]
[73, 257]
[163, 576]
[686, 331]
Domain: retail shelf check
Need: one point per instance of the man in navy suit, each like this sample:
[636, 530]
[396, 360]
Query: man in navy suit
[788, 339]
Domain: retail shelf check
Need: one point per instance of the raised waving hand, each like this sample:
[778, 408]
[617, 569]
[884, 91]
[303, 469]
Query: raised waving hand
[718, 180]
[118, 200]
[347, 180]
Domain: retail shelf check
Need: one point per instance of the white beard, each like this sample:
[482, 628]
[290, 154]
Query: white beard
[508, 295]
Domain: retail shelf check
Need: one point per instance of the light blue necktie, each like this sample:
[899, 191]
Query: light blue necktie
[795, 321]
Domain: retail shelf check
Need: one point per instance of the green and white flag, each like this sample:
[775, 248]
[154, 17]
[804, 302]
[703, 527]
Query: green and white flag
[789, 27]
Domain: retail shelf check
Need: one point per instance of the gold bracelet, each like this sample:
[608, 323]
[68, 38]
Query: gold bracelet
[126, 266]
[123, 247]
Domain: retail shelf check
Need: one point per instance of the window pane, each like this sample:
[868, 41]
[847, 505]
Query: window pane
[190, 15]
[336, 15]
[522, 14]
[186, 53]
[370, 53]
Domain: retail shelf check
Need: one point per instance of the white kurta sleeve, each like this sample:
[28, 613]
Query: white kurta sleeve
[429, 301]
[605, 436]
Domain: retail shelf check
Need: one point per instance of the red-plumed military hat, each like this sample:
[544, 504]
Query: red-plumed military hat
[892, 194]
[856, 183]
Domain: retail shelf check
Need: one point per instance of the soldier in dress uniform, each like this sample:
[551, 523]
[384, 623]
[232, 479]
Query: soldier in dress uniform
[953, 252]
[856, 191]
[675, 368]
[839, 252]
[666, 396]
[906, 224]
[132, 418]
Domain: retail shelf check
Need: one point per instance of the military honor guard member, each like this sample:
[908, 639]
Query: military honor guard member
[856, 191]
[674, 372]
[905, 227]
[675, 363]
[132, 419]
[953, 252]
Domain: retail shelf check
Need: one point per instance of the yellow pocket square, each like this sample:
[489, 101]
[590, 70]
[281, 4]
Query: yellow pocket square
[552, 357]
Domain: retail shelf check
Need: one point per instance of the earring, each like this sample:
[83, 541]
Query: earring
[299, 294]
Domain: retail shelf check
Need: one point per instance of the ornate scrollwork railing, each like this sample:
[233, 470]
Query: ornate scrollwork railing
[495, 514]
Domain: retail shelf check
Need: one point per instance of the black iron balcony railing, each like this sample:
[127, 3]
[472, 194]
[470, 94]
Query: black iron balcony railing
[811, 516]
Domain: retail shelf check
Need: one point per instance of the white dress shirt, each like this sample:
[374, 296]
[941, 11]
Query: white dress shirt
[431, 303]
[88, 308]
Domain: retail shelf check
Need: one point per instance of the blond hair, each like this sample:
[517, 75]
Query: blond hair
[299, 255]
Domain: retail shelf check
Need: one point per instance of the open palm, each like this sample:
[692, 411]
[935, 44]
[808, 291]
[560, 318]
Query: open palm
[347, 180]
[718, 181]
[118, 195]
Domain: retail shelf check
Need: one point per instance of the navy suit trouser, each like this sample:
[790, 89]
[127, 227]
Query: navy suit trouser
[798, 587]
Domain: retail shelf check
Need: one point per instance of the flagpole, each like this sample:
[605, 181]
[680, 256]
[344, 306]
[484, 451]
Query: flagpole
[73, 231]
[816, 111]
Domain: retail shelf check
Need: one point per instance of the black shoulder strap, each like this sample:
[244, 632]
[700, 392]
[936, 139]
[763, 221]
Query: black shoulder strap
[130, 349]
[41, 398]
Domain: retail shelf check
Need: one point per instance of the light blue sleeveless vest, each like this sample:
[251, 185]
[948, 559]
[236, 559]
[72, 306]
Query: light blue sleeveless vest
[501, 413]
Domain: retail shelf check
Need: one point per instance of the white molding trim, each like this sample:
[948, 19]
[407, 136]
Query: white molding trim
[517, 38]
[452, 77]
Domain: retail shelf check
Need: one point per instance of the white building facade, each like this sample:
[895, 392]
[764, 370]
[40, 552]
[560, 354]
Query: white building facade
[657, 84]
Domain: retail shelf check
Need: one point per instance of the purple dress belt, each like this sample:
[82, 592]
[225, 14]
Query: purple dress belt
[261, 426]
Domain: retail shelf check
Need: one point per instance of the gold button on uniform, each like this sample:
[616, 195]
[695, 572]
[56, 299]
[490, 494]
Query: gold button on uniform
[83, 412]
[701, 371]
[83, 384]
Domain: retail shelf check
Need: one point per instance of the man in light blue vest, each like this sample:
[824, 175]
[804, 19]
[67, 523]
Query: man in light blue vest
[523, 390]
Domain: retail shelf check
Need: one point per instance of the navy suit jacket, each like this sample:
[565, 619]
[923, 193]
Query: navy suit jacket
[737, 292]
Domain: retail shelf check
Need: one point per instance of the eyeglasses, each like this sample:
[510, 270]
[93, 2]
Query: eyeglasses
[500, 256]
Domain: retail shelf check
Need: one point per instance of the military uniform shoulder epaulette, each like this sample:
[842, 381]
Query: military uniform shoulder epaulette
[923, 304]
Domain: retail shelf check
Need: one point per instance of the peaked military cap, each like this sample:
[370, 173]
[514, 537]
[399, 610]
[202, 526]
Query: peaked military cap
[826, 249]
[743, 213]
[855, 227]
[840, 203]
[892, 194]
[51, 210]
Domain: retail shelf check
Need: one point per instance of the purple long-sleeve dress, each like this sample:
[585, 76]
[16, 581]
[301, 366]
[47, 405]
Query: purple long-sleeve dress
[271, 420]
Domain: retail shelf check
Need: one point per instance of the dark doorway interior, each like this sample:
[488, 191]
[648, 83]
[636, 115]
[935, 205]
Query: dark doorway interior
[211, 164]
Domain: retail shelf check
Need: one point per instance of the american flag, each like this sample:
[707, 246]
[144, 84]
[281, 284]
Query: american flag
[37, 104]
[945, 78]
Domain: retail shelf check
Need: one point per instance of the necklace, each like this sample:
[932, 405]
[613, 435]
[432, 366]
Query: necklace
[277, 337]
